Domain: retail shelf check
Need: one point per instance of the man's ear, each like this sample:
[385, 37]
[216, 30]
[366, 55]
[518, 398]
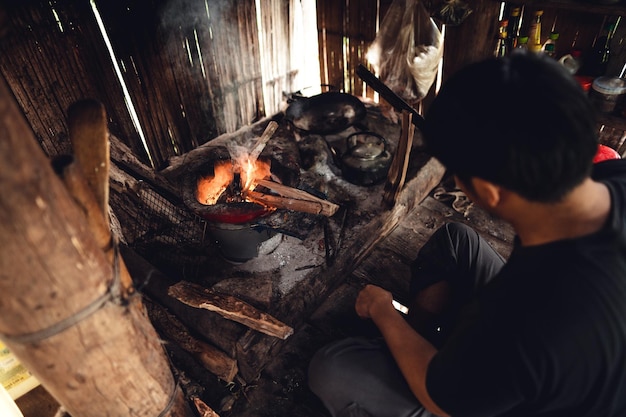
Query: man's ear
[489, 194]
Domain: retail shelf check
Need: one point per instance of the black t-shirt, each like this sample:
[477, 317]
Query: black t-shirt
[547, 337]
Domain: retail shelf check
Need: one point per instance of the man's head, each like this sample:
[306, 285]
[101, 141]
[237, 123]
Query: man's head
[521, 122]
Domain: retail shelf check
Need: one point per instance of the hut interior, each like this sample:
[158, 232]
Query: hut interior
[237, 293]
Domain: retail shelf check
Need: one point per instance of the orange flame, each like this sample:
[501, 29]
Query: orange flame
[210, 189]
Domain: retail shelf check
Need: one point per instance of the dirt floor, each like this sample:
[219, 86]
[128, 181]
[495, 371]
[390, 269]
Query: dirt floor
[281, 390]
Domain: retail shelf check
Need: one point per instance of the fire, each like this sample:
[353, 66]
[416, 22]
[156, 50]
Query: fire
[238, 176]
[251, 171]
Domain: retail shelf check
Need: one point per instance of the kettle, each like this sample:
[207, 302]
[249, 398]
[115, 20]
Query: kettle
[367, 158]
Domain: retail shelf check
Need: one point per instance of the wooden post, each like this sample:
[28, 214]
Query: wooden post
[96, 359]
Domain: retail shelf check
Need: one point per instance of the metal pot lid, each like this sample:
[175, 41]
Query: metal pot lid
[368, 150]
[366, 145]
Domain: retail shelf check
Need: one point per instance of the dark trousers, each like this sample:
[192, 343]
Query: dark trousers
[359, 377]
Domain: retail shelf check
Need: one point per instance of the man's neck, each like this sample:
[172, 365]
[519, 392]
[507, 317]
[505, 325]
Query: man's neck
[583, 211]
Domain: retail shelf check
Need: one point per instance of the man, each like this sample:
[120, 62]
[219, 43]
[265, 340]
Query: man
[543, 334]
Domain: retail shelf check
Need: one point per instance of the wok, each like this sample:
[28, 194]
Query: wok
[325, 113]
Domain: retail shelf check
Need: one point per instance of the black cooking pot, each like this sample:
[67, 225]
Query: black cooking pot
[325, 113]
[367, 158]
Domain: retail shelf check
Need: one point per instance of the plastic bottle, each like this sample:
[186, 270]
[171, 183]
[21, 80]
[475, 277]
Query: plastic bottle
[534, 32]
[549, 47]
[571, 61]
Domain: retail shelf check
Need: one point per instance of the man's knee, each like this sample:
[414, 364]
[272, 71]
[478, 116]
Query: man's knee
[326, 368]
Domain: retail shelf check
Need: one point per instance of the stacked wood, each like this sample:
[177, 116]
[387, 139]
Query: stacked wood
[95, 356]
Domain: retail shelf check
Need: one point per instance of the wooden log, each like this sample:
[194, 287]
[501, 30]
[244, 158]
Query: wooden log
[324, 207]
[89, 135]
[230, 308]
[203, 409]
[213, 359]
[151, 281]
[294, 204]
[108, 362]
[80, 190]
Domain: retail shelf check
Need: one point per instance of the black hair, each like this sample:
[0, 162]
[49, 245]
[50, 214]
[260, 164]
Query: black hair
[521, 122]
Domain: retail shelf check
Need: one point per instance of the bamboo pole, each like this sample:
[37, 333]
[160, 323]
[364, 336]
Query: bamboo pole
[96, 358]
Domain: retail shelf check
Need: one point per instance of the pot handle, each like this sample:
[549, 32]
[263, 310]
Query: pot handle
[351, 140]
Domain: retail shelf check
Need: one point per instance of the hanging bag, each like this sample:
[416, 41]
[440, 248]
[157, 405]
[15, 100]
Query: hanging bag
[407, 50]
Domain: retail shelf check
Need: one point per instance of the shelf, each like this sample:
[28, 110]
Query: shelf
[616, 9]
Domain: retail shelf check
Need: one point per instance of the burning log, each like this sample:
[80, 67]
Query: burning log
[293, 199]
[230, 308]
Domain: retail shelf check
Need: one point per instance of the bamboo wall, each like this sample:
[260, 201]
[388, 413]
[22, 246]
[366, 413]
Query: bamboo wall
[196, 69]
[193, 68]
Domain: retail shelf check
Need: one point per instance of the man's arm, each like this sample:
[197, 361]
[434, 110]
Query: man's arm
[410, 350]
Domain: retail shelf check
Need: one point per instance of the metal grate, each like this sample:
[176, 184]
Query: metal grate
[167, 234]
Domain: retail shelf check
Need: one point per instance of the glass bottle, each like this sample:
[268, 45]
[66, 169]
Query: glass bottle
[598, 59]
[513, 27]
[501, 45]
[534, 32]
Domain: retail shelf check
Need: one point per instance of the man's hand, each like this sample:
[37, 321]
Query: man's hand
[411, 351]
[372, 300]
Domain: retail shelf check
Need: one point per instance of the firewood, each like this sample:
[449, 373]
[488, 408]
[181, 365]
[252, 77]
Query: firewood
[304, 206]
[213, 359]
[203, 409]
[230, 308]
[262, 141]
[315, 204]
